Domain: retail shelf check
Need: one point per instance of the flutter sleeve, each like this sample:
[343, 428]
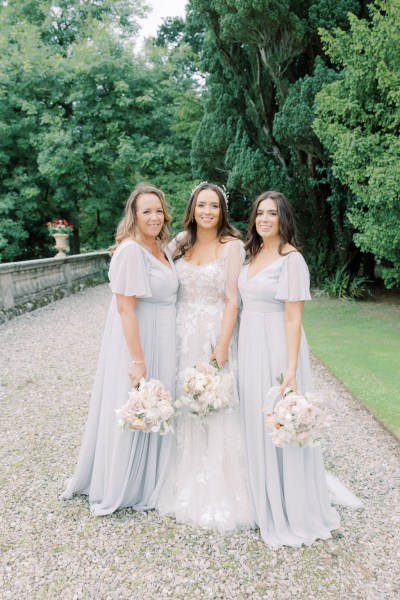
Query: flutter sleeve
[235, 256]
[294, 279]
[128, 272]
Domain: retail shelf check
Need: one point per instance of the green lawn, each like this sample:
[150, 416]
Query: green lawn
[360, 343]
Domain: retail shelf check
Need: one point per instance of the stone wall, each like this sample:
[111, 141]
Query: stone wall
[29, 284]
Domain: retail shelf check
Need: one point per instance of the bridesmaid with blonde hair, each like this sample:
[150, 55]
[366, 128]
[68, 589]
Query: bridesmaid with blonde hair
[117, 468]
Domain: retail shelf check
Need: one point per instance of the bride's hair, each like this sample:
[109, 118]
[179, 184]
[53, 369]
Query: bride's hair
[225, 231]
[127, 227]
[287, 225]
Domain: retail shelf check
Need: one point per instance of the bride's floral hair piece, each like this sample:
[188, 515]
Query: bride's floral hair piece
[222, 189]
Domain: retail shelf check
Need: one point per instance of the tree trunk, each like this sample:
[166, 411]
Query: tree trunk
[75, 242]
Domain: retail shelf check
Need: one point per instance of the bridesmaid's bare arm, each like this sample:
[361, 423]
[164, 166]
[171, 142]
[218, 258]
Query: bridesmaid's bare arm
[126, 306]
[293, 312]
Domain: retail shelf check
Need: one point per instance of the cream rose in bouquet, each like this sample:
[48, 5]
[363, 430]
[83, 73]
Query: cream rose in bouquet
[295, 419]
[206, 389]
[148, 409]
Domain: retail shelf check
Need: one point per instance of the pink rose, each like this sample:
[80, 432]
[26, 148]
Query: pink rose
[303, 437]
[205, 368]
[307, 416]
[270, 421]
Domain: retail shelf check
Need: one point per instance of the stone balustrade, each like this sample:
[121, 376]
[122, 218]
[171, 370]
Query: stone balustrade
[29, 284]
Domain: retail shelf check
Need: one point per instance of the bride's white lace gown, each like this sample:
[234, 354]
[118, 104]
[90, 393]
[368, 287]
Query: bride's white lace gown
[206, 482]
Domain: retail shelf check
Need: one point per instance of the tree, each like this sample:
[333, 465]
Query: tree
[265, 65]
[84, 119]
[173, 66]
[64, 109]
[358, 119]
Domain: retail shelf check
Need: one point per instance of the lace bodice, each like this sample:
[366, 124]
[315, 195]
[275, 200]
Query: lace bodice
[203, 290]
[206, 485]
[210, 284]
[201, 303]
[202, 285]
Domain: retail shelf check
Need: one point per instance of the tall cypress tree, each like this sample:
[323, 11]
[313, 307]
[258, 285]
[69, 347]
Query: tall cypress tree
[265, 65]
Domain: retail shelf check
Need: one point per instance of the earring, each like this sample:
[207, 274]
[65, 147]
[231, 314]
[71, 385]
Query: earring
[192, 219]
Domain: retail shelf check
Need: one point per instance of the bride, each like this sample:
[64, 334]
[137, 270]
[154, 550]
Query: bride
[206, 481]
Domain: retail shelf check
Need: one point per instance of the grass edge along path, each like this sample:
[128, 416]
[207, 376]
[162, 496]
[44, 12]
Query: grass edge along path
[360, 344]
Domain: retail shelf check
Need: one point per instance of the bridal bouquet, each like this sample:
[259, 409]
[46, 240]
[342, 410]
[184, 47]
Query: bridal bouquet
[207, 389]
[148, 409]
[295, 419]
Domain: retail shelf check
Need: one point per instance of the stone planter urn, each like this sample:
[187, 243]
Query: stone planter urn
[62, 244]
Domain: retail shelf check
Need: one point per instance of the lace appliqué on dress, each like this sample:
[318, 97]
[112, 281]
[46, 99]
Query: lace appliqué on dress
[206, 484]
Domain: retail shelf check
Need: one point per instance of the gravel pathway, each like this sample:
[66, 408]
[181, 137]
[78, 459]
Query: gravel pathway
[57, 550]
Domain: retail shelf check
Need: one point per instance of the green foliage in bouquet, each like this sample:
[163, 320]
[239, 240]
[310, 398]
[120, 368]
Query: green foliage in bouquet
[85, 117]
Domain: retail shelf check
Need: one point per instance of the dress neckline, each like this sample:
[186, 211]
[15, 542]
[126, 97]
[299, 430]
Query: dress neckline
[170, 268]
[207, 264]
[248, 279]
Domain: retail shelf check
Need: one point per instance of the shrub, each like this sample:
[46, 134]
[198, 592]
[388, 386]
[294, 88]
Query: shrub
[345, 286]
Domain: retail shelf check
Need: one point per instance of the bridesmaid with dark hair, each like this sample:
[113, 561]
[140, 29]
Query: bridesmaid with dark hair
[289, 486]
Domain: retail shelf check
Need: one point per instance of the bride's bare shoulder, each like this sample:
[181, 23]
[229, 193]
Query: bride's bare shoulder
[230, 238]
[288, 248]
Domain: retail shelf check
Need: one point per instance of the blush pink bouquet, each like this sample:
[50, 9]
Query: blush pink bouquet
[206, 390]
[148, 409]
[295, 419]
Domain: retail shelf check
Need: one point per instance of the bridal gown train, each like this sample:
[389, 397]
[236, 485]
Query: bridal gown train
[288, 484]
[206, 482]
[119, 468]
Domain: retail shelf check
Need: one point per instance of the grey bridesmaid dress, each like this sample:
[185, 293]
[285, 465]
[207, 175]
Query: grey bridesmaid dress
[118, 468]
[288, 485]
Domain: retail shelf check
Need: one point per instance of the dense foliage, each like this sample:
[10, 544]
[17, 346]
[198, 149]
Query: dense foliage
[299, 96]
[83, 119]
[358, 120]
[266, 65]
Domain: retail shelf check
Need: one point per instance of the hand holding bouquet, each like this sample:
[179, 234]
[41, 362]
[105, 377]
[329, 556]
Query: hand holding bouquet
[149, 409]
[207, 389]
[295, 419]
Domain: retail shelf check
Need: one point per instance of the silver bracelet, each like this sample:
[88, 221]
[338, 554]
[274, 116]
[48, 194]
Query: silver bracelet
[137, 362]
